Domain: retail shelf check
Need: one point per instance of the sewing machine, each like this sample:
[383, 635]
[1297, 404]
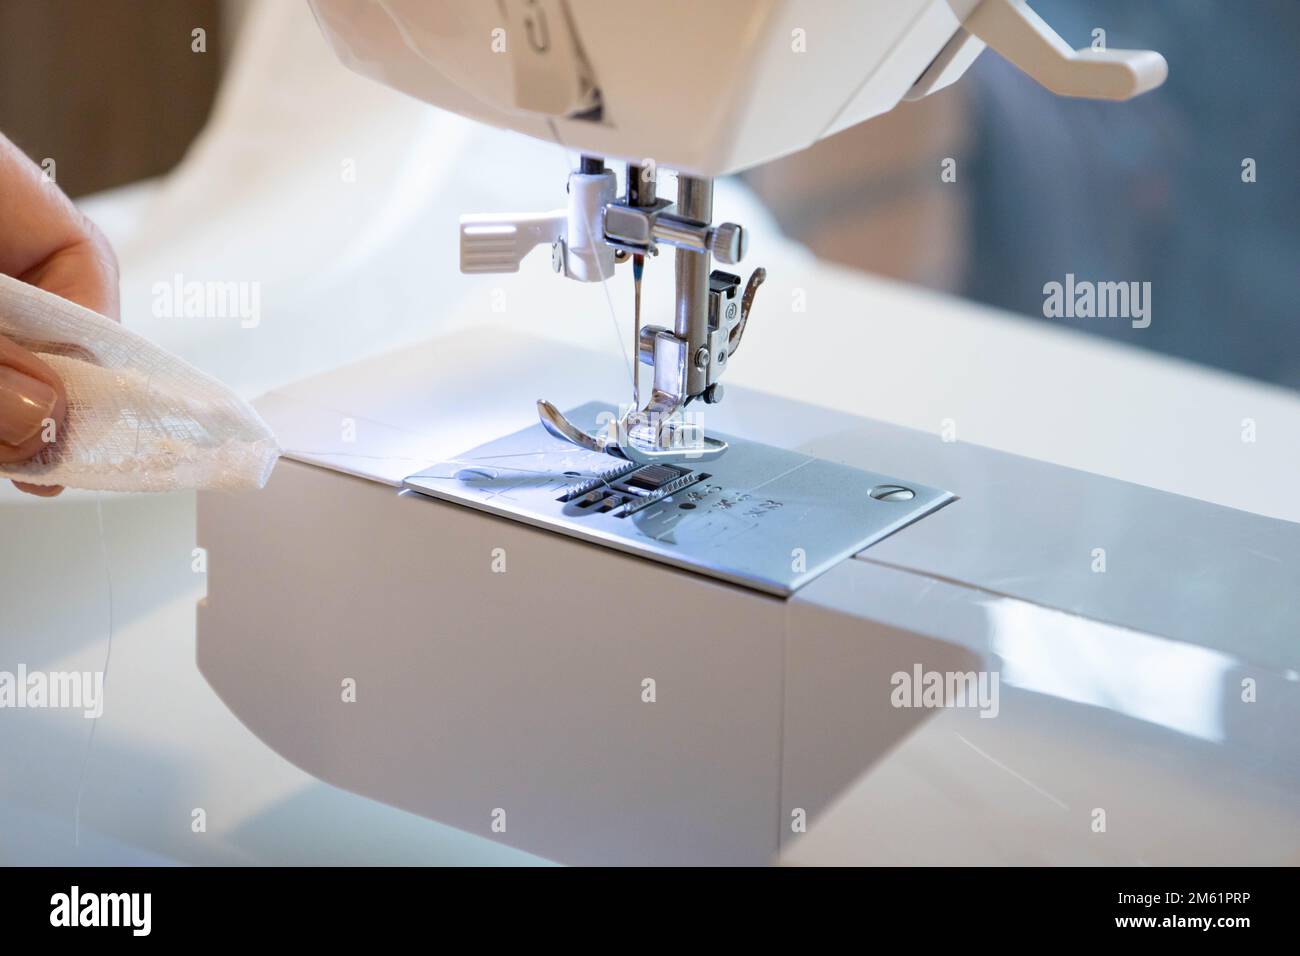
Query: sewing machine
[742, 74]
[679, 645]
[706, 89]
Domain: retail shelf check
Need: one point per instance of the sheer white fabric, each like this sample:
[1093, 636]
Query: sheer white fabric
[139, 418]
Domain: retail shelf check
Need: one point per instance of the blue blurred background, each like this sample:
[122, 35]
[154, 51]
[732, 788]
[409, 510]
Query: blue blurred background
[1150, 190]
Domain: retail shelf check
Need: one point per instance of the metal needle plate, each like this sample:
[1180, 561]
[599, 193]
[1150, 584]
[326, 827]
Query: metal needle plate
[758, 516]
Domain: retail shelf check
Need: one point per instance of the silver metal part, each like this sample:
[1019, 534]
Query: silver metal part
[691, 320]
[756, 279]
[632, 228]
[557, 426]
[638, 229]
[646, 440]
[641, 189]
[687, 360]
[761, 517]
[668, 441]
[587, 241]
[728, 243]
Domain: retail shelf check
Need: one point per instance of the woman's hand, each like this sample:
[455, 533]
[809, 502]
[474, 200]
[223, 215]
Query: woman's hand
[45, 241]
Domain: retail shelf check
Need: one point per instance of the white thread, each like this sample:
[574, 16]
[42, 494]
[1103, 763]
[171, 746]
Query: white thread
[604, 279]
[108, 653]
[574, 477]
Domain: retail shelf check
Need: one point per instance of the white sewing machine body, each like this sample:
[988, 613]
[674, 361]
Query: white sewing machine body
[499, 668]
[628, 695]
[705, 88]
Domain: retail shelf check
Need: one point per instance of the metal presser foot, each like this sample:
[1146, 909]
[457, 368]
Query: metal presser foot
[661, 432]
[636, 438]
[598, 231]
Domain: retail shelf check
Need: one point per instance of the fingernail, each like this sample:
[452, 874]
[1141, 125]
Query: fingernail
[25, 404]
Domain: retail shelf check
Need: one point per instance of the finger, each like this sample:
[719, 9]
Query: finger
[33, 404]
[46, 241]
[84, 272]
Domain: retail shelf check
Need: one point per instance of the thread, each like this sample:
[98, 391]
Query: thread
[108, 654]
[604, 279]
[545, 473]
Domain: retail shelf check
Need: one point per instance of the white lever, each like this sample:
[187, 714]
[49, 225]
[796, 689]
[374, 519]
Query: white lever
[498, 242]
[1021, 35]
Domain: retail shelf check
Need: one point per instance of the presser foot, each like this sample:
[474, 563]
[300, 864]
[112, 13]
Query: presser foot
[636, 438]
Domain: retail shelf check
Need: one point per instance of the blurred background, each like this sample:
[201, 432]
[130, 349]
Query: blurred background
[1147, 191]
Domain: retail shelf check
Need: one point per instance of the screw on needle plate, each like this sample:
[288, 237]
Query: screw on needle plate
[892, 493]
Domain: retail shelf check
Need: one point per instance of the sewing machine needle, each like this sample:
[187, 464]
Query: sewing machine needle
[638, 267]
